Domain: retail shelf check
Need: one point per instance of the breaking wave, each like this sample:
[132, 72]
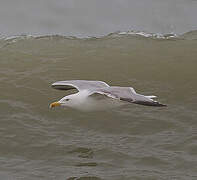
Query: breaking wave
[191, 35]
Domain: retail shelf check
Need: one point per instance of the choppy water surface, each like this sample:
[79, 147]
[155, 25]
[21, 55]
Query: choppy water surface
[134, 142]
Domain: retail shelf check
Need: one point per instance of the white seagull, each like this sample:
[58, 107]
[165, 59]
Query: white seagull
[98, 95]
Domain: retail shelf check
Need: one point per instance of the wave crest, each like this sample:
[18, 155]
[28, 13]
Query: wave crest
[191, 35]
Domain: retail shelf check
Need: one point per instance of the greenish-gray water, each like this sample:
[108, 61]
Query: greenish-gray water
[133, 142]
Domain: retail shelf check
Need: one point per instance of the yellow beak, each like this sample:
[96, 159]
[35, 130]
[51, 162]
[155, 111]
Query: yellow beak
[54, 104]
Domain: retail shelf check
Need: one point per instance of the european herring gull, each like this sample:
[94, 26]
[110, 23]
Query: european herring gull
[98, 95]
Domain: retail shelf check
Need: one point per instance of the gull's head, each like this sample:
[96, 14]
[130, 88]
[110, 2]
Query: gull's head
[65, 101]
[72, 100]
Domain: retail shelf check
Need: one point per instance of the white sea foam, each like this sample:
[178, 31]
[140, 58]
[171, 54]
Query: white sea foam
[13, 39]
[149, 35]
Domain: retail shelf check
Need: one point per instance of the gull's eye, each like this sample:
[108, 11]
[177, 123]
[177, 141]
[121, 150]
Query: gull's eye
[67, 99]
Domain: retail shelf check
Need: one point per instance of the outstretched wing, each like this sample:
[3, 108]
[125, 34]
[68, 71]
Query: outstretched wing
[127, 94]
[79, 85]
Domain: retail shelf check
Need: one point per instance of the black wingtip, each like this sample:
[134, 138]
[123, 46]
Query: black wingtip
[146, 103]
[62, 87]
[161, 105]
